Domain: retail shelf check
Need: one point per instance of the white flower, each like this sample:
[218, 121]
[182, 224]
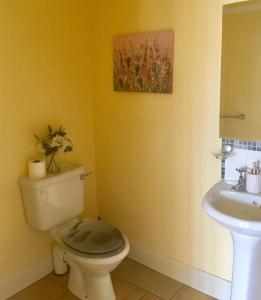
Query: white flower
[66, 143]
[56, 141]
[60, 142]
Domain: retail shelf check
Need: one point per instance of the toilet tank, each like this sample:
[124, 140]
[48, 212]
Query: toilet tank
[54, 199]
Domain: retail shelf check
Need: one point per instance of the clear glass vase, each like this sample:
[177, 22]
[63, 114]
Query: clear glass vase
[52, 166]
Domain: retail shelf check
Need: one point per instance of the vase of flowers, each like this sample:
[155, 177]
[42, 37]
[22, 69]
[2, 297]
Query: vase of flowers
[56, 141]
[52, 166]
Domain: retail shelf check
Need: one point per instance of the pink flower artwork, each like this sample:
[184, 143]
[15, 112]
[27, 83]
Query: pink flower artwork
[144, 62]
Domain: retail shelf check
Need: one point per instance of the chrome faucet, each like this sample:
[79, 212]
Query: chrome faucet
[241, 184]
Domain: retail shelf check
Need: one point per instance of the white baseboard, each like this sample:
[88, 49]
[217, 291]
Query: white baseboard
[195, 278]
[26, 277]
[200, 280]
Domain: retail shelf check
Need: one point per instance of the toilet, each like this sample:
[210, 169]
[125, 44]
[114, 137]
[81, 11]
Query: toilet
[91, 248]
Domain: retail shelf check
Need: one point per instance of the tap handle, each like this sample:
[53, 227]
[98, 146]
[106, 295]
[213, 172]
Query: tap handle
[241, 170]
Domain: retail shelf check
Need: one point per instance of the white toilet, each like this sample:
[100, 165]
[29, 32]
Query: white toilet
[91, 248]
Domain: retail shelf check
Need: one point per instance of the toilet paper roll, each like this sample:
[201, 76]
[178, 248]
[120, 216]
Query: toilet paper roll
[36, 168]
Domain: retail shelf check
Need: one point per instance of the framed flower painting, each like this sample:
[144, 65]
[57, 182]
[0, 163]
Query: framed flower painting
[144, 62]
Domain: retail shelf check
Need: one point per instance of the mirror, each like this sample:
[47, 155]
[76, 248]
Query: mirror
[240, 109]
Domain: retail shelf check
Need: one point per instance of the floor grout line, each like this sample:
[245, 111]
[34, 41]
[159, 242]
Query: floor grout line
[177, 291]
[150, 293]
[143, 292]
[133, 281]
[137, 276]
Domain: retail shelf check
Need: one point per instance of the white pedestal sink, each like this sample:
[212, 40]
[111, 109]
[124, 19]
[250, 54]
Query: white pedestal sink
[241, 214]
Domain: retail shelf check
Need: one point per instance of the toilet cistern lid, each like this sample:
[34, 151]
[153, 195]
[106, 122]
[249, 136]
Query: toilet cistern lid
[92, 237]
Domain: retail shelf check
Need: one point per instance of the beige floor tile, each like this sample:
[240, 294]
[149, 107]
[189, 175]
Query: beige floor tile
[61, 279]
[187, 293]
[129, 269]
[150, 296]
[46, 288]
[158, 284]
[68, 296]
[146, 285]
[125, 290]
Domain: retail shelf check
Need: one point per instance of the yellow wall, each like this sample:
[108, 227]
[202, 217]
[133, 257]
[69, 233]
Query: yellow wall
[44, 78]
[153, 151]
[241, 72]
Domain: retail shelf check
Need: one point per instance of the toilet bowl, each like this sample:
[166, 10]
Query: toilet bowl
[89, 273]
[91, 248]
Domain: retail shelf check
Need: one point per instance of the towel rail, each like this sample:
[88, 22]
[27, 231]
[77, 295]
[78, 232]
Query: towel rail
[240, 116]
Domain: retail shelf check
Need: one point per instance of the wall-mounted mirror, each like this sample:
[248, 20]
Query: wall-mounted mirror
[240, 111]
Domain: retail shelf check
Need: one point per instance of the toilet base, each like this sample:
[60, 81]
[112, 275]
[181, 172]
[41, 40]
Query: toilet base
[86, 286]
[89, 277]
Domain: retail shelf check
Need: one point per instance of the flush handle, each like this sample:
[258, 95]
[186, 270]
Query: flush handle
[83, 175]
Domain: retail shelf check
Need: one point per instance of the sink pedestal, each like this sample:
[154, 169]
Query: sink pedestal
[241, 214]
[246, 281]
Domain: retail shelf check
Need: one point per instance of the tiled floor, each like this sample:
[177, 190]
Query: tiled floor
[131, 280]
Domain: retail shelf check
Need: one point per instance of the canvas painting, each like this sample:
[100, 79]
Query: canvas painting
[144, 62]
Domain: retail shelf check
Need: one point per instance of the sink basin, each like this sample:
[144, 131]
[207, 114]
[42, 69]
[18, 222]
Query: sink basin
[241, 214]
[237, 211]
